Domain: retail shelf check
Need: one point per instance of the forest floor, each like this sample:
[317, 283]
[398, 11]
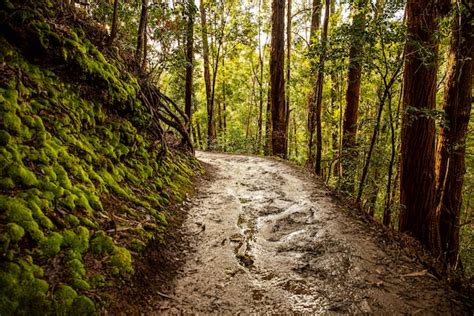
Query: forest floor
[262, 236]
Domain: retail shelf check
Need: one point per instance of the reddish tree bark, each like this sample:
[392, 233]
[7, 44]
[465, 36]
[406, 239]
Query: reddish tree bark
[351, 113]
[277, 79]
[315, 21]
[451, 149]
[417, 176]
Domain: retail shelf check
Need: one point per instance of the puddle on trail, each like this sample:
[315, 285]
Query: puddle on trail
[272, 241]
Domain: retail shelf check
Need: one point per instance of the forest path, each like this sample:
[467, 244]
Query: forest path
[264, 237]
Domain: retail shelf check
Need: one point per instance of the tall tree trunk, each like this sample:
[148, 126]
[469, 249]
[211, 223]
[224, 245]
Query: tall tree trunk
[315, 20]
[211, 130]
[188, 95]
[451, 149]
[260, 81]
[335, 131]
[113, 31]
[387, 212]
[349, 133]
[288, 71]
[277, 79]
[417, 176]
[141, 35]
[319, 90]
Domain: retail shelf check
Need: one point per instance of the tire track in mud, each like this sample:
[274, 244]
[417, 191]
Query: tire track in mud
[267, 238]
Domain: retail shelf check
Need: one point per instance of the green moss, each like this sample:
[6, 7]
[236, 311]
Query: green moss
[73, 220]
[83, 306]
[51, 245]
[12, 122]
[121, 262]
[87, 222]
[22, 175]
[102, 244]
[5, 138]
[20, 283]
[77, 241]
[15, 231]
[6, 183]
[61, 156]
[64, 297]
[76, 268]
[137, 245]
[17, 212]
[69, 201]
[38, 215]
[63, 177]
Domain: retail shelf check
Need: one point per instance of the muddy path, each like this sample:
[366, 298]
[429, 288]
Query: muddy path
[264, 237]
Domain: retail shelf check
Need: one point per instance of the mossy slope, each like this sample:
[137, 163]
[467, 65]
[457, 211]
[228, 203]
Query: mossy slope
[82, 190]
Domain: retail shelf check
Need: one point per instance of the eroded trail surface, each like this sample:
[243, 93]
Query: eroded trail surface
[267, 238]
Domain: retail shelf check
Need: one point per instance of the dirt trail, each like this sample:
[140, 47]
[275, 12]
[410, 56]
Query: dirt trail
[267, 238]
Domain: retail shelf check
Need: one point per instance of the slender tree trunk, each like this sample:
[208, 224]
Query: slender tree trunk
[199, 135]
[188, 95]
[388, 195]
[417, 176]
[224, 113]
[268, 126]
[195, 138]
[451, 149]
[211, 130]
[113, 31]
[385, 94]
[277, 79]
[349, 142]
[335, 131]
[145, 45]
[295, 139]
[319, 90]
[315, 20]
[141, 35]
